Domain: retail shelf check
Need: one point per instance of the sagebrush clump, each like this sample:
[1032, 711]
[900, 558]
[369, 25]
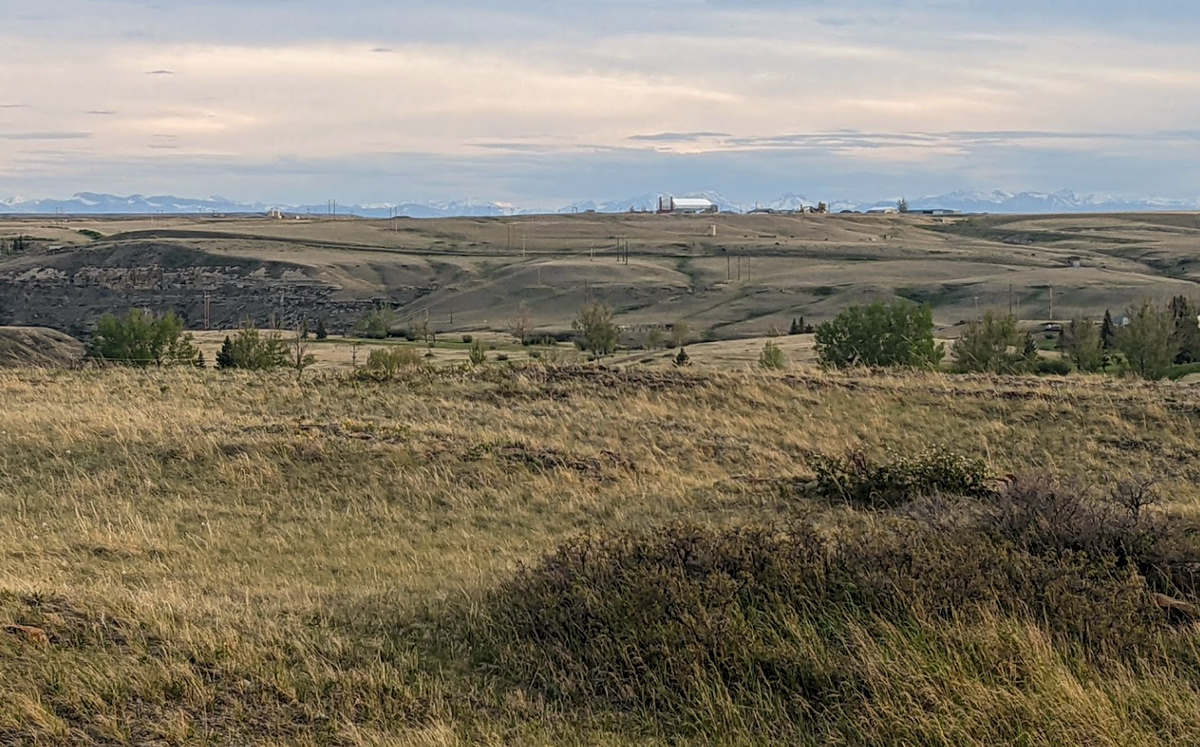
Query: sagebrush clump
[688, 623]
[857, 479]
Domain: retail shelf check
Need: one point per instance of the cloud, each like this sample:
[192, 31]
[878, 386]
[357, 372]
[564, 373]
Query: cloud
[46, 135]
[712, 90]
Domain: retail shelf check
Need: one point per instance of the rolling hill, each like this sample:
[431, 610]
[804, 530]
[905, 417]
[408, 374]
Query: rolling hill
[755, 274]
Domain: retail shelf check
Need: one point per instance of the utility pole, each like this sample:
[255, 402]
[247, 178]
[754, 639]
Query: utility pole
[207, 307]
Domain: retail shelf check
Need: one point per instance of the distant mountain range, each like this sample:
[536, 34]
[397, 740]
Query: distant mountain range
[90, 203]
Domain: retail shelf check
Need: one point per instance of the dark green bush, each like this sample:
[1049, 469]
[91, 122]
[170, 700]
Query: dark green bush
[1053, 367]
[468, 339]
[859, 480]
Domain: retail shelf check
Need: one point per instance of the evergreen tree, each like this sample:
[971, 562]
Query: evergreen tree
[1187, 330]
[321, 333]
[795, 328]
[1108, 333]
[225, 355]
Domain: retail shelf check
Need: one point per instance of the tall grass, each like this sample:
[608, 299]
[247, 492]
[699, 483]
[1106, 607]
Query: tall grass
[248, 559]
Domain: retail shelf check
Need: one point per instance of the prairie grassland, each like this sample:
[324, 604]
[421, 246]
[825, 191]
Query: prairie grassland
[239, 559]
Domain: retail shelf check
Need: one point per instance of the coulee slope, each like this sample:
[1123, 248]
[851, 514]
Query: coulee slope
[756, 273]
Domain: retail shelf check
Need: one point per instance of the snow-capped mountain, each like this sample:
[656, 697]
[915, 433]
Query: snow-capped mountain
[91, 203]
[647, 203]
[790, 202]
[1066, 201]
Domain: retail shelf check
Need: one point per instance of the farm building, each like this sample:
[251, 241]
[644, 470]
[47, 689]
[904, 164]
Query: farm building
[686, 205]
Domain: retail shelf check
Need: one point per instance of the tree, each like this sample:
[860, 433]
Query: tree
[1081, 342]
[679, 333]
[252, 350]
[322, 334]
[422, 330]
[902, 205]
[1108, 333]
[225, 354]
[300, 358]
[595, 330]
[377, 324]
[994, 344]
[1148, 343]
[683, 359]
[141, 339]
[654, 338]
[1186, 331]
[772, 358]
[520, 325]
[879, 335]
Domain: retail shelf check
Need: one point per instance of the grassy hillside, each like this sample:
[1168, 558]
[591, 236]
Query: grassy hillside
[757, 272]
[243, 560]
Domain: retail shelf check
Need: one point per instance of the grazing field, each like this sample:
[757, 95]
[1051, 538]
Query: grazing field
[756, 274]
[192, 557]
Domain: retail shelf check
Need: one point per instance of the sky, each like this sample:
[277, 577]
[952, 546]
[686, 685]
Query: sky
[544, 103]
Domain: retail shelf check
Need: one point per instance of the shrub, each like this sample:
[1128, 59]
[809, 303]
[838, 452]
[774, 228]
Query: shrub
[786, 623]
[857, 479]
[771, 358]
[683, 359]
[899, 335]
[1053, 367]
[321, 332]
[141, 339]
[478, 353]
[391, 360]
[502, 357]
[468, 339]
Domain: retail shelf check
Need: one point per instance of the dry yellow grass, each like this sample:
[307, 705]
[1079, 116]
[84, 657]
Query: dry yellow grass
[248, 559]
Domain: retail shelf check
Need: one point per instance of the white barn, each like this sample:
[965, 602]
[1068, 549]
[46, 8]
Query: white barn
[687, 205]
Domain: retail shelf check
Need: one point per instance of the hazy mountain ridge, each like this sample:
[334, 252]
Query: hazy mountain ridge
[997, 201]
